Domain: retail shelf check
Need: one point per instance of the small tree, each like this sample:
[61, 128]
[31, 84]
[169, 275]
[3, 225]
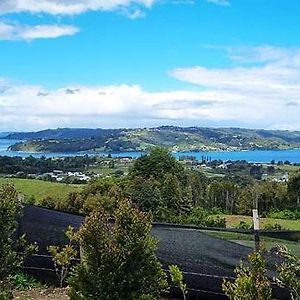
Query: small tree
[10, 260]
[289, 272]
[251, 283]
[177, 279]
[118, 260]
[62, 257]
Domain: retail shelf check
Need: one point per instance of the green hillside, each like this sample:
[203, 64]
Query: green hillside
[174, 138]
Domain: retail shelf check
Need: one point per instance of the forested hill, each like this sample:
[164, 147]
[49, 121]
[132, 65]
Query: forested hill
[174, 138]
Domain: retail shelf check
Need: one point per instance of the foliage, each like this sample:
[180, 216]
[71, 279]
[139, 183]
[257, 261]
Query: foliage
[285, 214]
[294, 190]
[289, 272]
[10, 210]
[202, 217]
[62, 257]
[251, 283]
[10, 260]
[177, 279]
[243, 225]
[275, 226]
[22, 281]
[118, 260]
[5, 290]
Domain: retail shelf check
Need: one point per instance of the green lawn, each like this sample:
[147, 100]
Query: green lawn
[233, 220]
[40, 189]
[248, 240]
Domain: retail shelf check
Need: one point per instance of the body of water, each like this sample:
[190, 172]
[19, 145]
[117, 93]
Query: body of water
[263, 156]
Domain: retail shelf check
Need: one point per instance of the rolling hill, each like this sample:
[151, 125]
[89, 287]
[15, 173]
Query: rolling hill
[142, 139]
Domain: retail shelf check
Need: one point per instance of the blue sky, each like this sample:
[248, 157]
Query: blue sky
[123, 63]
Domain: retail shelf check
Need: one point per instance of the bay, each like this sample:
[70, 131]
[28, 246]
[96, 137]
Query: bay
[263, 156]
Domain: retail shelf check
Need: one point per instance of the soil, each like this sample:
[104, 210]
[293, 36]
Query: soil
[42, 294]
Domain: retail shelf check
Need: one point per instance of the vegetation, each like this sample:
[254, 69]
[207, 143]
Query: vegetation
[32, 165]
[118, 260]
[10, 245]
[251, 282]
[62, 257]
[177, 279]
[174, 138]
[289, 271]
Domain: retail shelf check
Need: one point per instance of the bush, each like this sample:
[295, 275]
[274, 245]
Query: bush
[275, 226]
[251, 282]
[200, 216]
[243, 225]
[118, 260]
[285, 214]
[22, 281]
[289, 272]
[10, 244]
[10, 210]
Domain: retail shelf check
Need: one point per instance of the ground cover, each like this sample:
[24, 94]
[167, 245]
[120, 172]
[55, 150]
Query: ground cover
[41, 189]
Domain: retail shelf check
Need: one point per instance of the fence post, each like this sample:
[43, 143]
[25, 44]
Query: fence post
[256, 229]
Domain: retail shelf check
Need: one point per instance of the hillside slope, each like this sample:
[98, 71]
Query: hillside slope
[141, 139]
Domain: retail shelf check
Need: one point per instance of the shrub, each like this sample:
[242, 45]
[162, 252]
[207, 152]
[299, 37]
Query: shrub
[22, 281]
[289, 272]
[251, 283]
[10, 210]
[118, 260]
[285, 214]
[177, 279]
[10, 260]
[275, 226]
[243, 225]
[62, 257]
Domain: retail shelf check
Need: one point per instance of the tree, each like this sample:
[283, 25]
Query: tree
[157, 164]
[294, 190]
[10, 260]
[62, 256]
[146, 194]
[10, 210]
[251, 282]
[118, 260]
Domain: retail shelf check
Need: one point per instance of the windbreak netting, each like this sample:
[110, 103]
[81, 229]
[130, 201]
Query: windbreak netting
[204, 259]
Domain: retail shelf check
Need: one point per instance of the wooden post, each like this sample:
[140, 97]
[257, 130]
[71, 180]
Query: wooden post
[256, 229]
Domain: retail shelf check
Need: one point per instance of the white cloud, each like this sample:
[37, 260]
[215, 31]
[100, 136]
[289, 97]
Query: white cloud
[258, 93]
[220, 2]
[67, 7]
[33, 107]
[262, 92]
[26, 32]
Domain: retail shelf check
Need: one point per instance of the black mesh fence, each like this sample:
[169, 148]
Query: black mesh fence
[206, 260]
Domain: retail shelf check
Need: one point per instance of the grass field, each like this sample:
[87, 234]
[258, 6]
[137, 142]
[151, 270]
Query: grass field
[233, 220]
[248, 240]
[40, 189]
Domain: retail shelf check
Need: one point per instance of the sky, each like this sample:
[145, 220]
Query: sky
[146, 63]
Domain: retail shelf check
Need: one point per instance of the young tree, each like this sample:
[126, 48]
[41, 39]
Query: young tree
[177, 279]
[62, 257]
[289, 272]
[10, 260]
[118, 260]
[251, 283]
